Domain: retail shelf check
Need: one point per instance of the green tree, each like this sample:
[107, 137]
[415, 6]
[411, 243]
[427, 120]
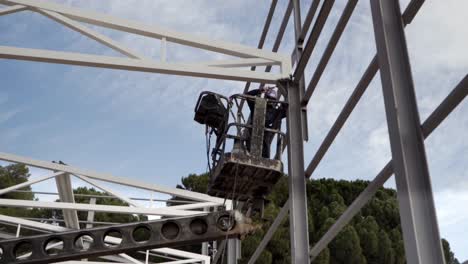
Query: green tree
[386, 254]
[448, 254]
[346, 248]
[12, 175]
[368, 231]
[373, 236]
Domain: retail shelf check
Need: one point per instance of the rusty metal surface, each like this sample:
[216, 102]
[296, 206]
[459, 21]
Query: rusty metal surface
[241, 176]
[160, 233]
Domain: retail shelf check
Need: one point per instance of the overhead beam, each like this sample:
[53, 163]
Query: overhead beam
[70, 58]
[12, 9]
[109, 190]
[150, 31]
[237, 63]
[90, 33]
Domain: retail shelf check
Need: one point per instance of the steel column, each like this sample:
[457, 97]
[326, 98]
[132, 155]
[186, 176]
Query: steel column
[416, 202]
[298, 53]
[231, 251]
[297, 181]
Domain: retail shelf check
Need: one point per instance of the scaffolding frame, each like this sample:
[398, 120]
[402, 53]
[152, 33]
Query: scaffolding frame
[417, 212]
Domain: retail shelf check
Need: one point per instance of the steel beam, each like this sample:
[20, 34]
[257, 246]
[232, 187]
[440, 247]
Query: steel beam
[150, 31]
[29, 182]
[308, 20]
[135, 65]
[298, 53]
[90, 217]
[415, 198]
[109, 178]
[313, 38]
[231, 251]
[178, 231]
[363, 84]
[54, 228]
[90, 33]
[65, 191]
[339, 29]
[276, 45]
[109, 191]
[12, 9]
[297, 185]
[165, 211]
[449, 104]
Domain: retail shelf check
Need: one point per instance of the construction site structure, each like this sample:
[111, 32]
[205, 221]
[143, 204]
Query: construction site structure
[202, 217]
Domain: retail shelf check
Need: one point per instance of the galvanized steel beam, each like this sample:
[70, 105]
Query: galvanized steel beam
[415, 198]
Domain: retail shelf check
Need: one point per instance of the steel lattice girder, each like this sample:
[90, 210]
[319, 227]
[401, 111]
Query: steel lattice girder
[160, 233]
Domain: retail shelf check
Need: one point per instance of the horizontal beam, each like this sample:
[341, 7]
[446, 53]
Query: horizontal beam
[55, 229]
[79, 59]
[241, 63]
[109, 178]
[90, 33]
[30, 182]
[32, 224]
[108, 190]
[97, 208]
[177, 231]
[150, 31]
[12, 9]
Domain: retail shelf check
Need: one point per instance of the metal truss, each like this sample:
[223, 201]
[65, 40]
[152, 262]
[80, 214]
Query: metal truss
[70, 17]
[62, 175]
[420, 229]
[102, 241]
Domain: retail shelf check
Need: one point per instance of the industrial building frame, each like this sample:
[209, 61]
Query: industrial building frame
[407, 133]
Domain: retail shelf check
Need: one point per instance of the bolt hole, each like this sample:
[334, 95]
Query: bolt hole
[23, 250]
[226, 223]
[198, 226]
[1, 252]
[84, 242]
[170, 230]
[53, 246]
[112, 238]
[141, 234]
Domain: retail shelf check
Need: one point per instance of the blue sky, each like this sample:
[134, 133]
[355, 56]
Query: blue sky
[140, 125]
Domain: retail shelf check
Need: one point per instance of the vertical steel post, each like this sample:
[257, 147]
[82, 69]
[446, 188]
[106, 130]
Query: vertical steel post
[297, 180]
[417, 211]
[231, 251]
[297, 55]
